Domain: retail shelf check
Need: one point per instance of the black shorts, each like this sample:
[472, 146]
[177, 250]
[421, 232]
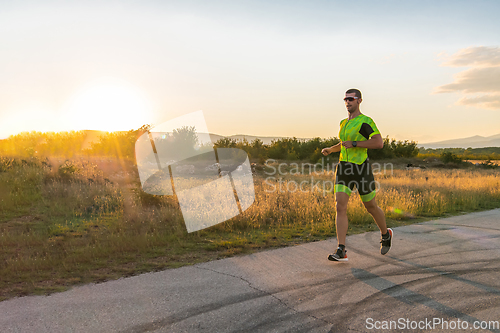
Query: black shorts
[351, 175]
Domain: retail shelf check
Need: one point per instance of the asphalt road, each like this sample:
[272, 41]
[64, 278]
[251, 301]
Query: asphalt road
[440, 276]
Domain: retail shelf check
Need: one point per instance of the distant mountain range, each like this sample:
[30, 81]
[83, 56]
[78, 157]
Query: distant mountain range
[475, 141]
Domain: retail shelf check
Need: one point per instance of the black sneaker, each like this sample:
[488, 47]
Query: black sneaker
[386, 243]
[340, 255]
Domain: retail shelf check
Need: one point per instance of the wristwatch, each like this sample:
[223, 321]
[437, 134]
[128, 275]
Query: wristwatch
[354, 143]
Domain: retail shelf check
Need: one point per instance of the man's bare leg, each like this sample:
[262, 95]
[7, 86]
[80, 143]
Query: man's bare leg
[341, 221]
[379, 217]
[377, 213]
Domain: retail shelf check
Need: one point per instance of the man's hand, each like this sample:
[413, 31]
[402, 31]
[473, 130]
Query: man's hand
[347, 144]
[325, 151]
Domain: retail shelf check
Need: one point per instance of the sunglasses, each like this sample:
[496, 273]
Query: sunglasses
[350, 99]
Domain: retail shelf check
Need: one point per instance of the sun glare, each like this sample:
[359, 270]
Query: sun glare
[27, 119]
[107, 105]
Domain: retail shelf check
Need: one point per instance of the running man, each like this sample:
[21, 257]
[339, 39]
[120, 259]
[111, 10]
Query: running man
[357, 134]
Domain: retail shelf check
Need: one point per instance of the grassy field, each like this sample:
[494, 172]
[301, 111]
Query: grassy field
[71, 222]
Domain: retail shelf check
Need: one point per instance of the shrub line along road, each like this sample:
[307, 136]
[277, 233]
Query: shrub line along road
[442, 270]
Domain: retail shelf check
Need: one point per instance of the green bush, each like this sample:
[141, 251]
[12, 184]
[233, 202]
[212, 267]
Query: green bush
[393, 148]
[449, 157]
[67, 170]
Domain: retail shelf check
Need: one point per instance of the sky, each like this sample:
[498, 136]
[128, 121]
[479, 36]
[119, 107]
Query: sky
[428, 70]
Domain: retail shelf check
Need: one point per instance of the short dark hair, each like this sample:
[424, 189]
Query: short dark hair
[356, 91]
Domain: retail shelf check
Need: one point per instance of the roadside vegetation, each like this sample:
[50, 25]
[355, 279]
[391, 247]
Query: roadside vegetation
[67, 221]
[487, 153]
[121, 145]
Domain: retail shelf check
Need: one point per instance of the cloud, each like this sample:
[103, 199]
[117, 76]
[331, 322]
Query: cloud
[489, 102]
[474, 80]
[483, 77]
[480, 56]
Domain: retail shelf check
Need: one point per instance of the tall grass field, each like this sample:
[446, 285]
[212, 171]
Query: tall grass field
[67, 222]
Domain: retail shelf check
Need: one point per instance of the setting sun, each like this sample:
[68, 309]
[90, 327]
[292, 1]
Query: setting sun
[107, 105]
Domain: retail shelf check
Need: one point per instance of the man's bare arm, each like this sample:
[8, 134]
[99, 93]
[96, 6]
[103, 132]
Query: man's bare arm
[332, 149]
[375, 142]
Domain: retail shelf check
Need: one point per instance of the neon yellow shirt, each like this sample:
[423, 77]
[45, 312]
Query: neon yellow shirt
[360, 128]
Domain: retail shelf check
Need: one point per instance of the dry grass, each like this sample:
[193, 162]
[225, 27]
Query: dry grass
[70, 222]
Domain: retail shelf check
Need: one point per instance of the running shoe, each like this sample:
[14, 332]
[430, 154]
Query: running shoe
[386, 243]
[340, 255]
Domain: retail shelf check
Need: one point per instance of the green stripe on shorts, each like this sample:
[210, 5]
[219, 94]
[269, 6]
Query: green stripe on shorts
[342, 188]
[368, 197]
